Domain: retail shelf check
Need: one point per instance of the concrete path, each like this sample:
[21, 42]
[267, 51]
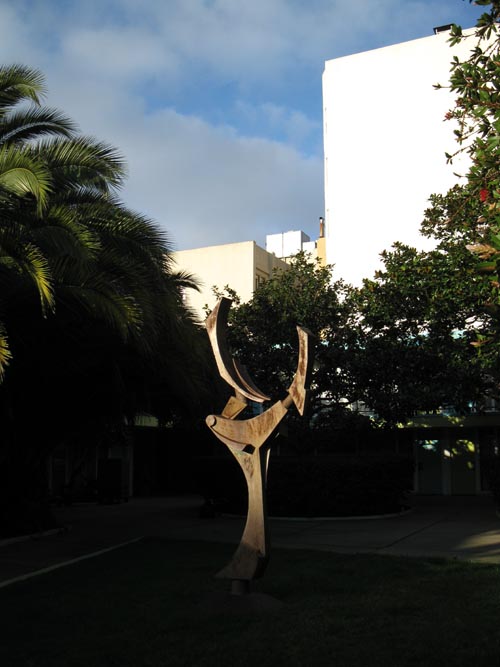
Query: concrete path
[465, 527]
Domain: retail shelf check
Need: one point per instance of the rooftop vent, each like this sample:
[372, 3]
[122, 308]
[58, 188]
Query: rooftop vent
[443, 28]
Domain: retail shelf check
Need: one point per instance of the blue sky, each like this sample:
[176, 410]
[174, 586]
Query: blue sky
[216, 104]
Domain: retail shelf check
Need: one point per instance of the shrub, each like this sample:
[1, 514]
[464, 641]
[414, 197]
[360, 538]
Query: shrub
[314, 486]
[491, 468]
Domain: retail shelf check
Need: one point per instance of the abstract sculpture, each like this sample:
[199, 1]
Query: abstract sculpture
[249, 440]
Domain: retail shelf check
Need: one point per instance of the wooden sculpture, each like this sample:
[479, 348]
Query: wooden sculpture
[249, 440]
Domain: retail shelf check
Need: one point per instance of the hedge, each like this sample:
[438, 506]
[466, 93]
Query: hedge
[491, 469]
[314, 485]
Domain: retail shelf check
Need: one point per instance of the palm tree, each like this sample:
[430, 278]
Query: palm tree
[34, 171]
[92, 323]
[19, 172]
[21, 176]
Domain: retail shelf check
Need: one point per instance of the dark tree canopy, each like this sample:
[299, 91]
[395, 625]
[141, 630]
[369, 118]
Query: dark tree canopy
[93, 328]
[263, 332]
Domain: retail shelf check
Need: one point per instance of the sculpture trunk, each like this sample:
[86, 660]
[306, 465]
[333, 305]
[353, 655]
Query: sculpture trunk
[251, 557]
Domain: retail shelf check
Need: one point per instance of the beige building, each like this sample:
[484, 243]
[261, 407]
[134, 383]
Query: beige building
[241, 266]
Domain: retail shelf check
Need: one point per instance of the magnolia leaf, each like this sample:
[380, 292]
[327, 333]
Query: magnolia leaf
[482, 250]
[487, 267]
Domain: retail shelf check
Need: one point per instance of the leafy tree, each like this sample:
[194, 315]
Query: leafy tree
[428, 310]
[414, 323]
[21, 175]
[263, 335]
[32, 171]
[398, 345]
[476, 112]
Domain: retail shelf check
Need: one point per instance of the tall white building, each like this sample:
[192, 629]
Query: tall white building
[385, 140]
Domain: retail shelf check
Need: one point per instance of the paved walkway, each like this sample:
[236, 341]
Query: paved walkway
[455, 527]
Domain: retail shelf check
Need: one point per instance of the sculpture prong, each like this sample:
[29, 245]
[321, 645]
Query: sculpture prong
[298, 390]
[216, 324]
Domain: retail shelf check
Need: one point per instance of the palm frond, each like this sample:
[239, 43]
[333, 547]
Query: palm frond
[133, 235]
[137, 228]
[89, 286]
[5, 353]
[28, 124]
[35, 265]
[81, 162]
[18, 83]
[24, 258]
[185, 280]
[63, 232]
[115, 223]
[101, 302]
[21, 174]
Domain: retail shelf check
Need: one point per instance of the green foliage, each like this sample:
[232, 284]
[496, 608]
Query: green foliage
[314, 486]
[93, 329]
[97, 267]
[492, 472]
[414, 326]
[400, 344]
[420, 318]
[476, 83]
[328, 486]
[263, 332]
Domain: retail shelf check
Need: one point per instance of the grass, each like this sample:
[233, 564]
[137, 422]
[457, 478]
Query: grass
[140, 607]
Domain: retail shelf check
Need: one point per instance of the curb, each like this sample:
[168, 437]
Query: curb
[368, 517]
[65, 563]
[329, 518]
[34, 536]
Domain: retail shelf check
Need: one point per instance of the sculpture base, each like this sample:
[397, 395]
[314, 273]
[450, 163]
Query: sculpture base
[240, 587]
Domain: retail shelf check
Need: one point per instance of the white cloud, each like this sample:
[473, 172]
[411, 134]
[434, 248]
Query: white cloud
[207, 185]
[291, 124]
[258, 42]
[123, 53]
[109, 63]
[16, 45]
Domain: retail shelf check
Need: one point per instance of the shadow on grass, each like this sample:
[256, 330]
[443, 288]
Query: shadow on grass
[140, 606]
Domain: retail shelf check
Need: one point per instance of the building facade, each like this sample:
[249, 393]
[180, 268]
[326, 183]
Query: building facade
[385, 141]
[241, 266]
[286, 245]
[385, 145]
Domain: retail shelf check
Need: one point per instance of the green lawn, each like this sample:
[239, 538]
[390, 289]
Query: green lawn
[139, 606]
